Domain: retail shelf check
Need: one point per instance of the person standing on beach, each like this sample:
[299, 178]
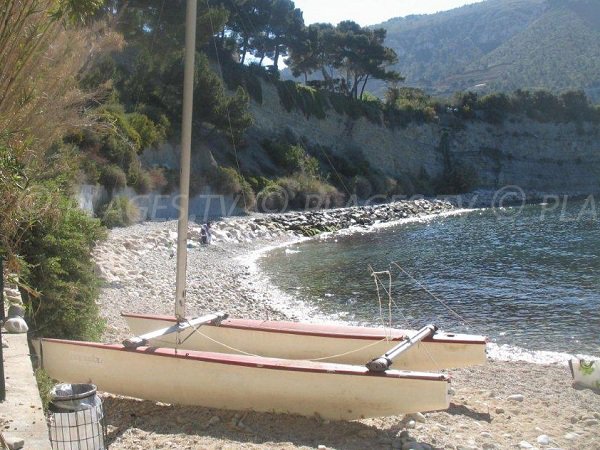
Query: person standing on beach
[205, 235]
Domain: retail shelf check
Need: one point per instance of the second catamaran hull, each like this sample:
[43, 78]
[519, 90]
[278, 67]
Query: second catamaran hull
[237, 382]
[332, 343]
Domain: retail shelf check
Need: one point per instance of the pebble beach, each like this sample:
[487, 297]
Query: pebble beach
[504, 404]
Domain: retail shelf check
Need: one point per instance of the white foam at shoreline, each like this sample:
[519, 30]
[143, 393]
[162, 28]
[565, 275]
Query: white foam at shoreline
[512, 353]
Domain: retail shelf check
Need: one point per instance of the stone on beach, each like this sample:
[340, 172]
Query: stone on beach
[14, 443]
[543, 439]
[516, 398]
[16, 325]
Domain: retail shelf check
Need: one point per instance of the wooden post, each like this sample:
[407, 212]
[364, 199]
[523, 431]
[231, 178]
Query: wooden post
[2, 317]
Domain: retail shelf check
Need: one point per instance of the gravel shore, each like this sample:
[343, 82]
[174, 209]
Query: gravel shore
[500, 405]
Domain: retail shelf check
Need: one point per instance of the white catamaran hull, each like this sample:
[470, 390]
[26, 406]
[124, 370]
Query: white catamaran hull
[336, 343]
[238, 382]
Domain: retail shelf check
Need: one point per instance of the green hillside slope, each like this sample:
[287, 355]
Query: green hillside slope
[501, 45]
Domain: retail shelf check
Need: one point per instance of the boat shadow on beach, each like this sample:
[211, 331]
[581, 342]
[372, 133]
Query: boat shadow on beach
[463, 410]
[131, 420]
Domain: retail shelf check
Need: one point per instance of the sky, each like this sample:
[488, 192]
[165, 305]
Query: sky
[370, 12]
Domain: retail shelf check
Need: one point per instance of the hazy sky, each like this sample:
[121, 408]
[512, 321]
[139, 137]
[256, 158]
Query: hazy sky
[369, 12]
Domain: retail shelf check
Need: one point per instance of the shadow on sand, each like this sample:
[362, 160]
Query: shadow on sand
[463, 410]
[148, 420]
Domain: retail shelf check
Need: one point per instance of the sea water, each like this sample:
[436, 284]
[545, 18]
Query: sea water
[527, 277]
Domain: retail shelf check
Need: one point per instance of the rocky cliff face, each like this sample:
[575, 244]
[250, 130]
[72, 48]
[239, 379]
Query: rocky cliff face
[562, 158]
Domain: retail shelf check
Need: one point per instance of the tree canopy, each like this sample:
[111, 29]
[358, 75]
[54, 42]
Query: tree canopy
[345, 56]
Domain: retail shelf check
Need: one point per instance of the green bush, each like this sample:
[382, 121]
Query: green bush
[383, 184]
[139, 178]
[310, 101]
[291, 158]
[58, 264]
[247, 77]
[120, 212]
[422, 184]
[150, 133]
[228, 181]
[143, 184]
[113, 177]
[303, 191]
[259, 183]
[111, 150]
[542, 106]
[406, 105]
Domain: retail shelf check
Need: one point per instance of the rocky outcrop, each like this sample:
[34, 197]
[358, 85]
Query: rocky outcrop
[310, 223]
[546, 157]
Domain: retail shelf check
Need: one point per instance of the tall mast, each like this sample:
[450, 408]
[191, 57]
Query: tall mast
[186, 145]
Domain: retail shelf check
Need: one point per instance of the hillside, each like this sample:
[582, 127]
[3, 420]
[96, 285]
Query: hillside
[501, 45]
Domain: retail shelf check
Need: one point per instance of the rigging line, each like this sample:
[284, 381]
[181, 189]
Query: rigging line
[409, 325]
[196, 329]
[445, 305]
[376, 280]
[219, 65]
[431, 357]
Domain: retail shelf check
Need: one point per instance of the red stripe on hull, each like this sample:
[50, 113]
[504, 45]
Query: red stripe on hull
[318, 330]
[256, 361]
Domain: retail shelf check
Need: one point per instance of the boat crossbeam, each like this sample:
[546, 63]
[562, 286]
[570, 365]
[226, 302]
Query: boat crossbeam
[144, 339]
[385, 361]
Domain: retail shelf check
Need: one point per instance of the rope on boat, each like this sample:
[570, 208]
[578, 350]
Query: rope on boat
[196, 329]
[388, 291]
[375, 275]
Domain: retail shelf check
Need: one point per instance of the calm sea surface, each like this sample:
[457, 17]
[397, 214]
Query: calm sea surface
[529, 277]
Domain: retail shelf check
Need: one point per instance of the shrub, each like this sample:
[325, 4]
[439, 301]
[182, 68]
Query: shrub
[229, 182]
[158, 179]
[150, 133]
[353, 164]
[307, 99]
[120, 212]
[139, 178]
[495, 107]
[303, 191]
[405, 105]
[247, 77]
[143, 183]
[57, 253]
[292, 158]
[113, 177]
[259, 183]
